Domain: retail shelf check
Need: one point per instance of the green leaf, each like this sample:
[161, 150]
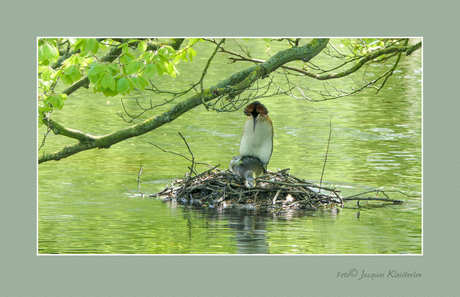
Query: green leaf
[105, 81]
[112, 69]
[142, 82]
[126, 58]
[159, 70]
[150, 71]
[369, 41]
[78, 59]
[45, 85]
[176, 59]
[193, 41]
[345, 42]
[169, 49]
[67, 80]
[192, 53]
[50, 51]
[132, 67]
[45, 108]
[183, 56]
[96, 69]
[108, 82]
[109, 93]
[72, 40]
[162, 52]
[80, 43]
[76, 74]
[56, 74]
[90, 60]
[123, 85]
[267, 40]
[142, 46]
[91, 45]
[98, 85]
[56, 100]
[94, 78]
[46, 75]
[162, 58]
[147, 56]
[175, 69]
[112, 84]
[69, 70]
[73, 73]
[59, 100]
[41, 57]
[125, 49]
[170, 68]
[134, 82]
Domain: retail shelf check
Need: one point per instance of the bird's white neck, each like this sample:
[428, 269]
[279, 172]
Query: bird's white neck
[258, 143]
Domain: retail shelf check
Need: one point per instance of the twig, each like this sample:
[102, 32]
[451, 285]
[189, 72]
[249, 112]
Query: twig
[127, 189]
[376, 199]
[392, 68]
[205, 71]
[276, 196]
[379, 190]
[327, 150]
[139, 179]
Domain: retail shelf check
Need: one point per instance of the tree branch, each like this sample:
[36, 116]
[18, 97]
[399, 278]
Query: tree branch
[392, 50]
[363, 60]
[238, 82]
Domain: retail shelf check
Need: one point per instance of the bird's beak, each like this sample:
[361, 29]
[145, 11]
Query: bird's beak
[254, 118]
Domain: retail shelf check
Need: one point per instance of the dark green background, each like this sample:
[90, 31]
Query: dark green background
[23, 273]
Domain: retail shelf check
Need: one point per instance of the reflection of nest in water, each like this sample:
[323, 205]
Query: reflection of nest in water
[274, 190]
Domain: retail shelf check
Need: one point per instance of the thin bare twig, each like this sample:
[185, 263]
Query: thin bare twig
[127, 189]
[139, 178]
[276, 196]
[327, 150]
[205, 71]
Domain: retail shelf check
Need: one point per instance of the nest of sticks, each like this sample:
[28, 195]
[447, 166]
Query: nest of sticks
[273, 190]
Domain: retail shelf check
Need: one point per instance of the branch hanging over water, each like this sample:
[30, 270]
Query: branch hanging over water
[235, 84]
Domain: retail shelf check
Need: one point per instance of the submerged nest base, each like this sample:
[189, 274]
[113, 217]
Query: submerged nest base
[274, 190]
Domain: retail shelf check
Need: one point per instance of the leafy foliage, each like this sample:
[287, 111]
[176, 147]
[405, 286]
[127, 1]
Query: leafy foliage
[69, 60]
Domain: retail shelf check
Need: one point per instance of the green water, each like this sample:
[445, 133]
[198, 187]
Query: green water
[376, 142]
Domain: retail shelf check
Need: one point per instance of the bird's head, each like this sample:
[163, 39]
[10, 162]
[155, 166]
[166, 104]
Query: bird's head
[256, 109]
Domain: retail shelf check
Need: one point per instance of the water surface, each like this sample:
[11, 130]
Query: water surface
[375, 142]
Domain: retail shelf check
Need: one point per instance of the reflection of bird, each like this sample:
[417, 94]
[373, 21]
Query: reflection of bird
[248, 167]
[257, 139]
